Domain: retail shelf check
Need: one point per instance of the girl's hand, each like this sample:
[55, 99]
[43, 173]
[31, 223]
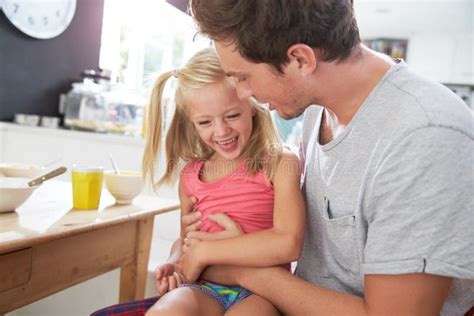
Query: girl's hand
[168, 276]
[193, 260]
[230, 229]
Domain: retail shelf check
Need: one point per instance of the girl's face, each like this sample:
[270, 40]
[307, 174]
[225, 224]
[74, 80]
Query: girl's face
[222, 120]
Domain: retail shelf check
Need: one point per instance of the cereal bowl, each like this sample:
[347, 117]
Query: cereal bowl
[18, 170]
[13, 193]
[124, 186]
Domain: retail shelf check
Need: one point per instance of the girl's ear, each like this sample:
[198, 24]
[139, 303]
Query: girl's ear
[304, 57]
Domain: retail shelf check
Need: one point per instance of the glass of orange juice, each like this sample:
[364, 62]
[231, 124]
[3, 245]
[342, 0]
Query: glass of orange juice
[86, 186]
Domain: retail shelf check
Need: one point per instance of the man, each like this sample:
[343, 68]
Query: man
[387, 155]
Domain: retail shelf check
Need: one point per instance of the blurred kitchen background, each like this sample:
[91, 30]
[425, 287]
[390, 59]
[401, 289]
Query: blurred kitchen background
[97, 75]
[81, 95]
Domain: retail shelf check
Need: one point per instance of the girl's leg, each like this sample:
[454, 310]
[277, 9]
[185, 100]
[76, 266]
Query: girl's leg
[253, 305]
[185, 301]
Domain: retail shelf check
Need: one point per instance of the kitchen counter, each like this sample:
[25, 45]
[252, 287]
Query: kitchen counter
[68, 133]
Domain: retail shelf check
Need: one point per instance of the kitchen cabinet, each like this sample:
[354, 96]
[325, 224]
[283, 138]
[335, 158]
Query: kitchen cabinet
[463, 60]
[436, 65]
[449, 59]
[439, 34]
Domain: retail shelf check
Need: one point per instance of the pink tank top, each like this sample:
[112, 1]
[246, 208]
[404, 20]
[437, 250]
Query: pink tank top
[246, 199]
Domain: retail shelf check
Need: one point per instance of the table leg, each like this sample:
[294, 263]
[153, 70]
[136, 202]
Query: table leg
[133, 275]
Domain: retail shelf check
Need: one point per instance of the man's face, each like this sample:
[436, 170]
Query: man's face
[283, 92]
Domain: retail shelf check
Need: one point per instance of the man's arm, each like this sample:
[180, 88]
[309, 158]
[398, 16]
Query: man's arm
[407, 294]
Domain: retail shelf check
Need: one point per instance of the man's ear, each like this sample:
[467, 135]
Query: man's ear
[304, 57]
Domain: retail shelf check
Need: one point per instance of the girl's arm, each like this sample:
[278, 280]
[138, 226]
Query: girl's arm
[186, 206]
[168, 275]
[278, 245]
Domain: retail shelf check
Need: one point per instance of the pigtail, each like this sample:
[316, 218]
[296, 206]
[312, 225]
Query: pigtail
[154, 129]
[264, 148]
[174, 146]
[182, 144]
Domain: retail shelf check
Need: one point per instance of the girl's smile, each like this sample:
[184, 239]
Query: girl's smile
[228, 145]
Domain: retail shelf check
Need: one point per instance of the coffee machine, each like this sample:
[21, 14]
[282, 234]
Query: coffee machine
[97, 105]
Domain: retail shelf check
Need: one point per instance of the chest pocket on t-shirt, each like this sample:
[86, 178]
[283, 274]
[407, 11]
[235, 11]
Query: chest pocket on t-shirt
[341, 241]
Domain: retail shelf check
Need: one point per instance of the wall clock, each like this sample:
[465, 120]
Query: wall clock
[39, 19]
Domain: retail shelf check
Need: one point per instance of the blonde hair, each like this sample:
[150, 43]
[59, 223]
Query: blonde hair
[182, 142]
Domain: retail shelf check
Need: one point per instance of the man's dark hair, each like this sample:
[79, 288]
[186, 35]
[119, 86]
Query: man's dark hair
[263, 30]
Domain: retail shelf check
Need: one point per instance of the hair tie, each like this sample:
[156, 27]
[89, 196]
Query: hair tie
[174, 72]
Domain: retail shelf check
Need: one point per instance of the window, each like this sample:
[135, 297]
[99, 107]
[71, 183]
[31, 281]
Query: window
[142, 38]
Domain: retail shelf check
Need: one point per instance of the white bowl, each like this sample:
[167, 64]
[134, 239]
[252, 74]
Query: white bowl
[19, 170]
[13, 193]
[124, 186]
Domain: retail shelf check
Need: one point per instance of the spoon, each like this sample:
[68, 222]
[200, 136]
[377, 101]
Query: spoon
[117, 171]
[49, 175]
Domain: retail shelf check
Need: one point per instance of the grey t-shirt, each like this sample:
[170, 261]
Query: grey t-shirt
[393, 194]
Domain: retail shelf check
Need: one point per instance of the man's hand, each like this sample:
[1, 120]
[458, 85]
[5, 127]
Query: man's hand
[230, 229]
[191, 220]
[192, 223]
[168, 276]
[193, 260]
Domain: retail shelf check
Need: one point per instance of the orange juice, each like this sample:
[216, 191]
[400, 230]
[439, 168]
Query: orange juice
[86, 187]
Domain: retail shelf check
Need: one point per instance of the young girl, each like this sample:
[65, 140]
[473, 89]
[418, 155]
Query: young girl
[234, 164]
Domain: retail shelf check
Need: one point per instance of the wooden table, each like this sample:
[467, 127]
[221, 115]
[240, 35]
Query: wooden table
[47, 246]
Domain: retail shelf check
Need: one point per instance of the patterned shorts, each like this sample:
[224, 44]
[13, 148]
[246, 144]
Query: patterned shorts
[225, 296]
